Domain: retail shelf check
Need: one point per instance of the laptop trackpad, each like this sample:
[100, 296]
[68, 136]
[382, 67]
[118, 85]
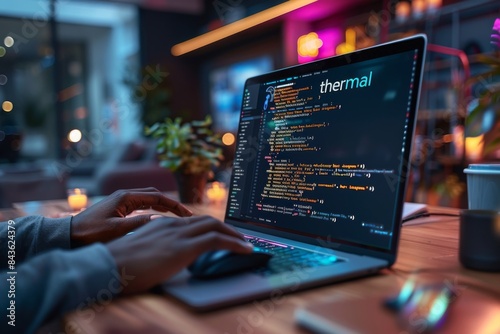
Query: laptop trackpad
[199, 292]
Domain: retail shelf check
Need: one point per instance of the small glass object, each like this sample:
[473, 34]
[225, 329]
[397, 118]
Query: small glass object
[427, 303]
[77, 199]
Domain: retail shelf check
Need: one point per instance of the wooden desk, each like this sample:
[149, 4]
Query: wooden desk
[60, 208]
[431, 244]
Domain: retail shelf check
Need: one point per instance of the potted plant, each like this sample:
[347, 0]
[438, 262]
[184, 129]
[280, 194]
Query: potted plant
[486, 109]
[190, 150]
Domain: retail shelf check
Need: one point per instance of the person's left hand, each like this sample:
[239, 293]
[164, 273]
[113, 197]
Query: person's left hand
[105, 220]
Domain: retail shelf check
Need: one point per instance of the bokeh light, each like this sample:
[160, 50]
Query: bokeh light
[7, 106]
[81, 113]
[228, 139]
[2, 51]
[8, 41]
[75, 136]
[3, 79]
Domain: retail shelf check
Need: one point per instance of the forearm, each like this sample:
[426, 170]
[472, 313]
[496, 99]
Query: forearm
[56, 282]
[33, 235]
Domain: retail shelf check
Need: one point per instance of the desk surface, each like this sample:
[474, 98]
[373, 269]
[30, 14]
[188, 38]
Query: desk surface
[431, 244]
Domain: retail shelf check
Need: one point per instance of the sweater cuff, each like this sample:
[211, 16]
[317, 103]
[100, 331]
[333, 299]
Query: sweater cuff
[53, 233]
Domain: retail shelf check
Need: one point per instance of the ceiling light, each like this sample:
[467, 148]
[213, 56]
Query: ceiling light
[238, 26]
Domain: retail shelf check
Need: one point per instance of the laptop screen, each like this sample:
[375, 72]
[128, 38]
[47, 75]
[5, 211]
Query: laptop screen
[322, 148]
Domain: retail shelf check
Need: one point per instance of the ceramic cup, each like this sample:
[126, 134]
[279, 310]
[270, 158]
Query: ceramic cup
[483, 186]
[479, 241]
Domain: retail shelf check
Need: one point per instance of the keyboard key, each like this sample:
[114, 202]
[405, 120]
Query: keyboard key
[287, 258]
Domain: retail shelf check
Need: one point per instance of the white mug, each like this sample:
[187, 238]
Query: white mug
[483, 186]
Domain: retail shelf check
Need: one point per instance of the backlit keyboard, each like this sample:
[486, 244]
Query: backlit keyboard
[288, 258]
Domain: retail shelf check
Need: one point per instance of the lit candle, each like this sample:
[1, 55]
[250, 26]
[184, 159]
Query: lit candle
[77, 199]
[216, 192]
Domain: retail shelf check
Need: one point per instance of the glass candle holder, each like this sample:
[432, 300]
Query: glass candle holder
[77, 199]
[216, 192]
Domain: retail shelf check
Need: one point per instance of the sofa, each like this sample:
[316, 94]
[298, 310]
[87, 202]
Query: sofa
[128, 165]
[30, 182]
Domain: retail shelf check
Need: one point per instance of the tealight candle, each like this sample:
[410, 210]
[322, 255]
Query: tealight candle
[77, 199]
[216, 192]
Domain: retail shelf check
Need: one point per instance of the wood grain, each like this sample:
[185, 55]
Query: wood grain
[428, 248]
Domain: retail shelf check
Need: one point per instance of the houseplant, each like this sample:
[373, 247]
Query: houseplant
[190, 150]
[487, 105]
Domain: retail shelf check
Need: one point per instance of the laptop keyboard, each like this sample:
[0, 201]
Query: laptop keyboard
[288, 258]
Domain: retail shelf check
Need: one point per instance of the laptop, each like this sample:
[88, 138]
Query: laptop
[319, 174]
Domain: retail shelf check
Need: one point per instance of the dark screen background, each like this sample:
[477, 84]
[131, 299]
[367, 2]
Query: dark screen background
[367, 129]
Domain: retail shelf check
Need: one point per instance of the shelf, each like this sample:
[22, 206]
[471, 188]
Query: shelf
[450, 161]
[426, 114]
[444, 14]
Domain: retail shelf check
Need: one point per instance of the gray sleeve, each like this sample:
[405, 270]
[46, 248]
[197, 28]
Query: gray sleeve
[34, 235]
[49, 285]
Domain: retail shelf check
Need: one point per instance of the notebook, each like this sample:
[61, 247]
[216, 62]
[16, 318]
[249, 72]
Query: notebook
[320, 168]
[411, 209]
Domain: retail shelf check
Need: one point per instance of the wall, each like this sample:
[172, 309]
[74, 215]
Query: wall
[159, 31]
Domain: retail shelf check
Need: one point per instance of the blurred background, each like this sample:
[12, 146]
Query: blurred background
[79, 81]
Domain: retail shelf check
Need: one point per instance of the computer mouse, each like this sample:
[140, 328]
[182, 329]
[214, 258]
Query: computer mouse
[224, 262]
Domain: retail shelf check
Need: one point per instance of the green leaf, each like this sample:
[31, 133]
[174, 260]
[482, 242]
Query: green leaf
[486, 59]
[204, 123]
[191, 146]
[171, 163]
[473, 121]
[203, 131]
[492, 146]
[175, 142]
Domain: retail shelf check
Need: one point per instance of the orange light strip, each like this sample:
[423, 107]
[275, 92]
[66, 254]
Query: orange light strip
[238, 26]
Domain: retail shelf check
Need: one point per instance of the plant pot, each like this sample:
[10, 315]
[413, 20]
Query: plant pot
[191, 187]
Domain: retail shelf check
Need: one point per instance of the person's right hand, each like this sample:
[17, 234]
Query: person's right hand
[106, 220]
[164, 246]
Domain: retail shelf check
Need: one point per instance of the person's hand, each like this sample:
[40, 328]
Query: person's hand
[105, 220]
[162, 248]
